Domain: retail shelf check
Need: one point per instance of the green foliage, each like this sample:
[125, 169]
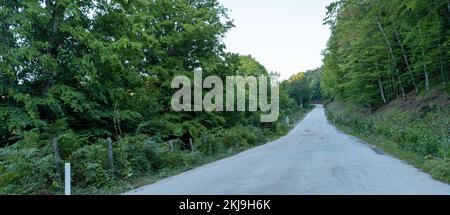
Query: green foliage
[240, 137]
[418, 133]
[210, 142]
[131, 156]
[304, 87]
[425, 134]
[382, 49]
[25, 171]
[90, 166]
[379, 52]
[79, 72]
[164, 158]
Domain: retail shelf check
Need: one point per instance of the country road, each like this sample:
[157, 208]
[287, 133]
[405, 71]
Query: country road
[314, 158]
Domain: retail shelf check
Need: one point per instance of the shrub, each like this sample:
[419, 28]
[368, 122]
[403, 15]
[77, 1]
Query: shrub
[163, 156]
[425, 134]
[240, 137]
[27, 167]
[210, 143]
[26, 170]
[131, 156]
[90, 166]
[281, 128]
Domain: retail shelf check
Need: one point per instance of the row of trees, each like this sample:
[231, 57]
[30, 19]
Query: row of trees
[381, 50]
[100, 66]
[73, 73]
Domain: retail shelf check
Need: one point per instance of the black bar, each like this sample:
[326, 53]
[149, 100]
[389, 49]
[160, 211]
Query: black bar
[172, 204]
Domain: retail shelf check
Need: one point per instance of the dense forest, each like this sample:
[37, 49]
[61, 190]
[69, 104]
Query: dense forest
[380, 50]
[88, 82]
[386, 74]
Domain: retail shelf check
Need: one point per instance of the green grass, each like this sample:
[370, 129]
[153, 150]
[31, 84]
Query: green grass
[438, 168]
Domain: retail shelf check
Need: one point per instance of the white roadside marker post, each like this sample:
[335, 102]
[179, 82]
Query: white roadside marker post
[67, 179]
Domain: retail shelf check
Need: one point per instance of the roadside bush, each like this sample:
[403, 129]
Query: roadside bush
[26, 170]
[425, 134]
[281, 128]
[164, 158]
[210, 143]
[90, 166]
[240, 137]
[163, 155]
[28, 166]
[444, 150]
[191, 159]
[131, 156]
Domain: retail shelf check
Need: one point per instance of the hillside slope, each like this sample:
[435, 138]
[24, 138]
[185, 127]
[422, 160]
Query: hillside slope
[416, 130]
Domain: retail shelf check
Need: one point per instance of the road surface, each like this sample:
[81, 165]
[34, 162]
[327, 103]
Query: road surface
[314, 158]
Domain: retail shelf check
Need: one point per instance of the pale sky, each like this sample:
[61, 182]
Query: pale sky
[286, 36]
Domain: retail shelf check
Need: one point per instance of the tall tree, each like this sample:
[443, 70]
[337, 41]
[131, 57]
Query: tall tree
[381, 49]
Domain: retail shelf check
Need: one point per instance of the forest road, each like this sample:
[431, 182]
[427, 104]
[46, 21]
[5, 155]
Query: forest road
[314, 158]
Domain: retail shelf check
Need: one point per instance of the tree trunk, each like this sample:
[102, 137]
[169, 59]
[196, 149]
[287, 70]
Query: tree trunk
[381, 90]
[425, 69]
[448, 11]
[391, 87]
[116, 120]
[57, 161]
[387, 41]
[407, 62]
[380, 85]
[427, 79]
[402, 90]
[442, 71]
[171, 145]
[441, 62]
[57, 12]
[391, 52]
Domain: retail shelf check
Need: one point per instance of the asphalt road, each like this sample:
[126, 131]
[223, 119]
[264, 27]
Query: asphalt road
[314, 158]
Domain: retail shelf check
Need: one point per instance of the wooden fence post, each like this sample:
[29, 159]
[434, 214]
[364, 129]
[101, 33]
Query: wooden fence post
[206, 141]
[192, 145]
[110, 156]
